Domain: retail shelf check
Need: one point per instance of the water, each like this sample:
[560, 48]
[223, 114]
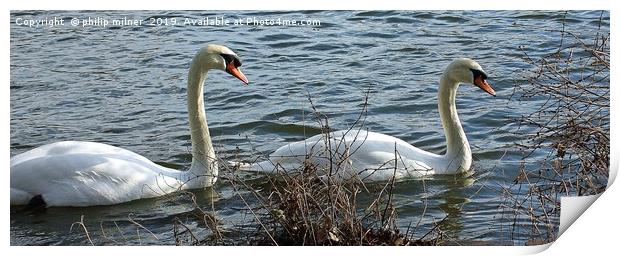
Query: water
[125, 86]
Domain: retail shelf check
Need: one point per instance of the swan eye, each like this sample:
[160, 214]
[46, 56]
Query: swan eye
[229, 58]
[478, 73]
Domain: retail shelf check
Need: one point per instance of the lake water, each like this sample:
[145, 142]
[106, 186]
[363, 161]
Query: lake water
[125, 86]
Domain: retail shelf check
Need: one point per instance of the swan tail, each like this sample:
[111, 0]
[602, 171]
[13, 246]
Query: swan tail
[20, 197]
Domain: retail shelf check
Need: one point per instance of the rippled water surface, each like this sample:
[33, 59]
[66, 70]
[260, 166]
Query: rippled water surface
[125, 86]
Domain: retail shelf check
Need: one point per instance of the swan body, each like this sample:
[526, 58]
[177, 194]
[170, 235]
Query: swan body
[377, 157]
[76, 173]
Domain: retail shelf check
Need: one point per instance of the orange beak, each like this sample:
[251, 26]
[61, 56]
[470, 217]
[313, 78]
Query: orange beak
[482, 83]
[231, 69]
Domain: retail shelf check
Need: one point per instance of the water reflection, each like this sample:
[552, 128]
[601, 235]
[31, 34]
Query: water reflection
[454, 198]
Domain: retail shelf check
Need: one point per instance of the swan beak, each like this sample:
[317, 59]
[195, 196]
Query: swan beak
[482, 83]
[231, 69]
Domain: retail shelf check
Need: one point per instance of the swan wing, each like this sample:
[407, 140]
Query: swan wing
[369, 154]
[71, 147]
[66, 176]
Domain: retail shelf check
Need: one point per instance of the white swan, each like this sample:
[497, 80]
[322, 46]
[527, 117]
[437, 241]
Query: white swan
[371, 155]
[74, 173]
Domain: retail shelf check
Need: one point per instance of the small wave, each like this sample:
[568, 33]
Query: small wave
[245, 98]
[322, 47]
[277, 37]
[67, 38]
[399, 20]
[374, 13]
[410, 49]
[453, 19]
[380, 35]
[286, 44]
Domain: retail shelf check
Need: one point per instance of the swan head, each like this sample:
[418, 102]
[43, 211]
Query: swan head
[468, 71]
[220, 57]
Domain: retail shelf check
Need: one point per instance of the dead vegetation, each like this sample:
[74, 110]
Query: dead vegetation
[570, 131]
[305, 209]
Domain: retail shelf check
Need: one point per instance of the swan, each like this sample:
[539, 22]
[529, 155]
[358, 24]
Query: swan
[379, 157]
[77, 173]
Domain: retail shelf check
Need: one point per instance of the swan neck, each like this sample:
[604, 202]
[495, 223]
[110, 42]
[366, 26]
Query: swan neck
[204, 166]
[458, 152]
